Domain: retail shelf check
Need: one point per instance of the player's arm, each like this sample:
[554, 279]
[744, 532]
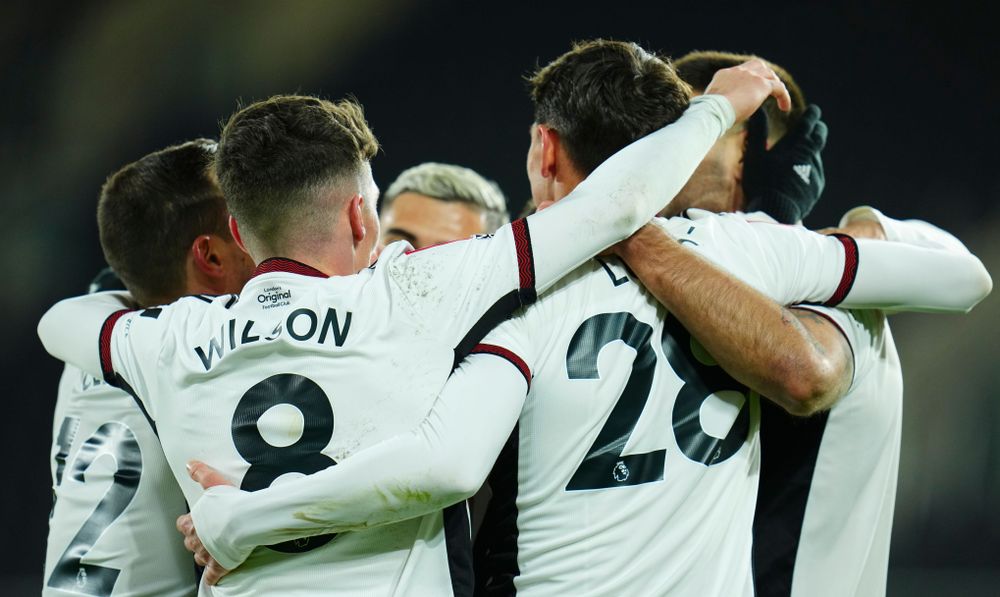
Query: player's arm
[443, 461]
[974, 282]
[839, 271]
[465, 280]
[867, 222]
[70, 330]
[800, 364]
[794, 357]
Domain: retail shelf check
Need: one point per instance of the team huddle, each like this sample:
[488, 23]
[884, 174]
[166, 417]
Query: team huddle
[656, 383]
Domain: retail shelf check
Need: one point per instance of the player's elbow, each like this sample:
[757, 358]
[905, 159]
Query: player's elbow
[454, 479]
[810, 386]
[967, 283]
[465, 481]
[48, 328]
[631, 213]
[978, 286]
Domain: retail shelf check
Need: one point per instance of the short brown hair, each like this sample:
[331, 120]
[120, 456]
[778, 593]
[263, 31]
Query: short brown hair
[697, 69]
[275, 153]
[150, 211]
[602, 95]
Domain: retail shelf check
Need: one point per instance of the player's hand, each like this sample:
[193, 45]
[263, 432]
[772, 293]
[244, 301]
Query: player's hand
[787, 180]
[213, 571]
[747, 85]
[205, 475]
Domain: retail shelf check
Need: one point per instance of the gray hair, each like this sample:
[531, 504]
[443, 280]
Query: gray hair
[447, 182]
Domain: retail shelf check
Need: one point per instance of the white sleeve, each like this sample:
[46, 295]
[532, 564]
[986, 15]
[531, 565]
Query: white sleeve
[957, 278]
[441, 462]
[800, 266]
[476, 283]
[120, 345]
[71, 328]
[911, 232]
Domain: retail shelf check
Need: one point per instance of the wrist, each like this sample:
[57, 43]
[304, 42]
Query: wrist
[213, 520]
[636, 246]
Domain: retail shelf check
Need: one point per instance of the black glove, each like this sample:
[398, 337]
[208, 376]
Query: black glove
[786, 181]
[106, 279]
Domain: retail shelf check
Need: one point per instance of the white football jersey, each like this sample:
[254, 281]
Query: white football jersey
[301, 371]
[111, 531]
[633, 469]
[828, 482]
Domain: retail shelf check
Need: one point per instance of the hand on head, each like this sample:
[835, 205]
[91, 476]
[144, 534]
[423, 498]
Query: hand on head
[747, 85]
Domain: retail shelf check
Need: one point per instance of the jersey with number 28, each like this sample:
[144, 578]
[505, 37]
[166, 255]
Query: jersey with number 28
[633, 468]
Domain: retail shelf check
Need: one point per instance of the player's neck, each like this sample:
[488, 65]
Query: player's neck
[332, 260]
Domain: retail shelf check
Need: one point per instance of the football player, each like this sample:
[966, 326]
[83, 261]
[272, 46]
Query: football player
[828, 482]
[433, 203]
[639, 454]
[322, 355]
[163, 226]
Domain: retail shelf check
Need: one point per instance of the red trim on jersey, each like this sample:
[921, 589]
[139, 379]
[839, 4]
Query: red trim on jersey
[104, 345]
[503, 353]
[290, 266]
[525, 261]
[851, 259]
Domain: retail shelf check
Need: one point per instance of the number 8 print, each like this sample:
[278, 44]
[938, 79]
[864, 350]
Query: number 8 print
[267, 461]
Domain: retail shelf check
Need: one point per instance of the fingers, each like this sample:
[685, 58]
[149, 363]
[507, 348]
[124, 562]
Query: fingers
[213, 572]
[819, 135]
[747, 85]
[205, 475]
[810, 116]
[778, 89]
[192, 543]
[185, 524]
[780, 93]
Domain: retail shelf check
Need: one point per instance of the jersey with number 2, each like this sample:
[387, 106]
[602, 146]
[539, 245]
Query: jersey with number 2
[111, 531]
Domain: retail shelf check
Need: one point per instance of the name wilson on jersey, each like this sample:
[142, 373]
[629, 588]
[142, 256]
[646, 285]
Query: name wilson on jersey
[303, 325]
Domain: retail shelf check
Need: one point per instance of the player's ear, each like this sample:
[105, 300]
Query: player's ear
[551, 146]
[355, 215]
[206, 255]
[234, 229]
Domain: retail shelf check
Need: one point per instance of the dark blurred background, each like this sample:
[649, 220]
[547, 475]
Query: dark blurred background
[910, 93]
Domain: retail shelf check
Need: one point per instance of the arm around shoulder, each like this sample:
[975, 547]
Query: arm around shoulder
[70, 329]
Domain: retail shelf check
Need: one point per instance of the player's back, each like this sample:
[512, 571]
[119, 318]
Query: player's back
[111, 531]
[296, 374]
[828, 483]
[635, 456]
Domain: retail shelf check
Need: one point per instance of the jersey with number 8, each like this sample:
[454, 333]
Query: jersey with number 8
[111, 531]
